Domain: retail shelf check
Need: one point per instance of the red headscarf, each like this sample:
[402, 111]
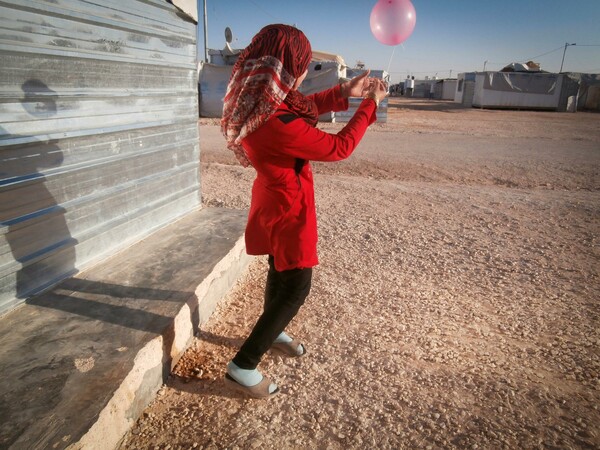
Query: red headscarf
[262, 79]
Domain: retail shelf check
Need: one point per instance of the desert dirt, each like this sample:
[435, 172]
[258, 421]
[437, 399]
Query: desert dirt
[455, 305]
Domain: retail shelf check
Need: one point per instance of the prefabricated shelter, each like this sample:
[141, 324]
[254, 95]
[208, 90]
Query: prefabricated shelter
[99, 147]
[465, 88]
[354, 102]
[518, 90]
[446, 89]
[422, 88]
[529, 90]
[98, 133]
[213, 78]
[325, 71]
[323, 74]
[212, 87]
[443, 89]
[225, 57]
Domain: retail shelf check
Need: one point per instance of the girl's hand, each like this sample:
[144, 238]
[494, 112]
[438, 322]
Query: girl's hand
[377, 90]
[357, 86]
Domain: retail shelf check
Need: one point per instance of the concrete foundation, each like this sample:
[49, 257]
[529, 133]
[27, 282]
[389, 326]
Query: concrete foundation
[78, 364]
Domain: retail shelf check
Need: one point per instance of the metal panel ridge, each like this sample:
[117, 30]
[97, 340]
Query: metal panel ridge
[98, 133]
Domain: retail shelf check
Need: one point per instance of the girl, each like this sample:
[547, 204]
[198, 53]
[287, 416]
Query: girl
[270, 125]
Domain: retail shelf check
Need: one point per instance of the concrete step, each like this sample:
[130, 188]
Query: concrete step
[79, 363]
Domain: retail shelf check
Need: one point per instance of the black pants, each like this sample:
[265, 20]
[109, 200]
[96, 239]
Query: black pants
[285, 293]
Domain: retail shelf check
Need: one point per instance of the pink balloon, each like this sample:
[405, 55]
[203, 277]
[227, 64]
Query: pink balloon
[393, 21]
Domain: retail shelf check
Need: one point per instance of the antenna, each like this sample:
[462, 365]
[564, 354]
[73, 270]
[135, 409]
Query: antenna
[228, 35]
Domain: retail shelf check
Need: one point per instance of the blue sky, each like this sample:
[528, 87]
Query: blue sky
[451, 36]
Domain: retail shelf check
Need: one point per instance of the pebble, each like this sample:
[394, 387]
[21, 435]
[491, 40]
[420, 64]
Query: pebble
[455, 320]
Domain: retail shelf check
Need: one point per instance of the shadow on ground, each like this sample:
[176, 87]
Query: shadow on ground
[424, 104]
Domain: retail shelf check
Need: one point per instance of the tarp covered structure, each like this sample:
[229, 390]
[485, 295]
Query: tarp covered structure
[585, 90]
[521, 82]
[529, 66]
[530, 90]
[517, 90]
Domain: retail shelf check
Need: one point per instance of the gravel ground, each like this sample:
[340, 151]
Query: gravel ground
[455, 306]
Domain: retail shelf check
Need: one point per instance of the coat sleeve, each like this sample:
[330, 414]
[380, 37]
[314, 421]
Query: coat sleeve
[330, 100]
[299, 140]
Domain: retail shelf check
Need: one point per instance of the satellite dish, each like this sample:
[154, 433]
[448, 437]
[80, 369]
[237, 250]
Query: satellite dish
[228, 35]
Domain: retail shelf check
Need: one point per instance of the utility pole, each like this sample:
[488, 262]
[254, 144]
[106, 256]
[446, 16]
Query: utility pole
[205, 34]
[484, 64]
[563, 59]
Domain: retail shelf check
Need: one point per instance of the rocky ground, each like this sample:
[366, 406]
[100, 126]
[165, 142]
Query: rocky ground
[455, 306]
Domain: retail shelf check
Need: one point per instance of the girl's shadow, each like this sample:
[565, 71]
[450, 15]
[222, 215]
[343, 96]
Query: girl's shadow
[36, 225]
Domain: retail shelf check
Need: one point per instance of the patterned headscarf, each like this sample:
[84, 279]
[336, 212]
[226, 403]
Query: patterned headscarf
[262, 78]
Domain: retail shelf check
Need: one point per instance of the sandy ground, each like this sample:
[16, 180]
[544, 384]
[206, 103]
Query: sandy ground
[455, 306]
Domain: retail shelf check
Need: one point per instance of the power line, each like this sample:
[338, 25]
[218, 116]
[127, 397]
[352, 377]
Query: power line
[423, 71]
[503, 64]
[265, 11]
[543, 54]
[557, 49]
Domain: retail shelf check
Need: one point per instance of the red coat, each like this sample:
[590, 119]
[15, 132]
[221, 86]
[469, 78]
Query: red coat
[282, 220]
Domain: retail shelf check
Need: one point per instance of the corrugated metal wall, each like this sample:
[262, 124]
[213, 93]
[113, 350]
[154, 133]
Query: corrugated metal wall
[354, 103]
[98, 133]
